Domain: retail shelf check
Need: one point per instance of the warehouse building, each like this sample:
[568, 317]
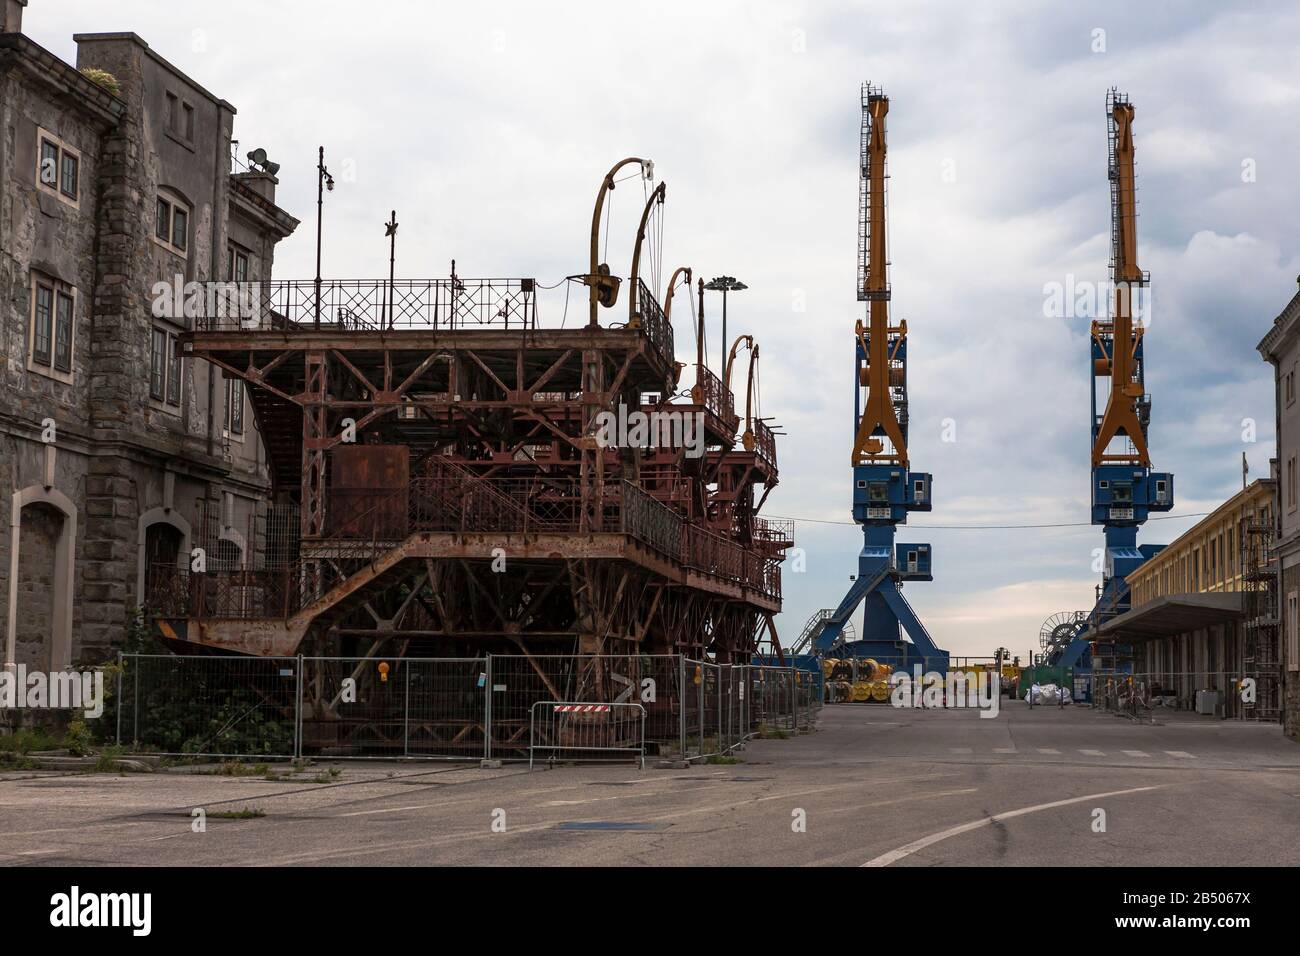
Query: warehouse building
[1203, 613]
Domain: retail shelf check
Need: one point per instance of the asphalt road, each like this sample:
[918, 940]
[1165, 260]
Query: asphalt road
[873, 786]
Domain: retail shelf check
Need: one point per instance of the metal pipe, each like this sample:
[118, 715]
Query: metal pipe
[594, 278]
[731, 356]
[633, 298]
[668, 296]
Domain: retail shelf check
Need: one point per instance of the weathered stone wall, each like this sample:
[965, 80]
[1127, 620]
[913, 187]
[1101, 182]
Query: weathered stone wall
[116, 446]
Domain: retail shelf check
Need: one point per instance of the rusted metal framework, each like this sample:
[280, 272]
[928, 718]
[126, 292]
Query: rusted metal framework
[435, 447]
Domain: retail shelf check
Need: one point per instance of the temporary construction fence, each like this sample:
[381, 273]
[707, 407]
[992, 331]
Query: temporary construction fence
[568, 730]
[443, 708]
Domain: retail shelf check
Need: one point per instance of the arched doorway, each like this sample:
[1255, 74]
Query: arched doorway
[163, 544]
[39, 534]
[42, 535]
[162, 555]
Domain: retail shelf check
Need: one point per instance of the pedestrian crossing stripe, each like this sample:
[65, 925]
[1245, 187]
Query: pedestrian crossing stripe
[1135, 753]
[1180, 753]
[1093, 753]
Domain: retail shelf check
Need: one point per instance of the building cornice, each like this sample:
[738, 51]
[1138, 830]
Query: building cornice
[256, 207]
[1284, 333]
[63, 79]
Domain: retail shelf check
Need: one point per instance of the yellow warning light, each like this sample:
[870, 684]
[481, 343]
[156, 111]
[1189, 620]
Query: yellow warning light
[383, 672]
[699, 673]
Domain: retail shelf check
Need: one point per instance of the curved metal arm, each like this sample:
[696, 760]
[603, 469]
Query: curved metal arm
[599, 289]
[633, 303]
[731, 356]
[668, 296]
[748, 438]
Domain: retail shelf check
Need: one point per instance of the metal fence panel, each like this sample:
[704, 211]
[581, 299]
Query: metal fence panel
[209, 706]
[519, 681]
[577, 730]
[447, 708]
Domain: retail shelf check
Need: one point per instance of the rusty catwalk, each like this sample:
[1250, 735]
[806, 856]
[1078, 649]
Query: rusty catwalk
[442, 486]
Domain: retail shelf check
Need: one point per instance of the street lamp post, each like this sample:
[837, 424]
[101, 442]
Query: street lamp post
[390, 230]
[725, 284]
[323, 181]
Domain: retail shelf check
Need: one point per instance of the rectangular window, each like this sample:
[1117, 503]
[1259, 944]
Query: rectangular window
[188, 128]
[43, 325]
[58, 168]
[68, 181]
[158, 365]
[236, 264]
[63, 333]
[172, 118]
[173, 370]
[180, 227]
[163, 221]
[49, 171]
[172, 224]
[235, 406]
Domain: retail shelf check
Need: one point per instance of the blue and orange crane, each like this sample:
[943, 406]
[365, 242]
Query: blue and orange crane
[885, 489]
[1124, 488]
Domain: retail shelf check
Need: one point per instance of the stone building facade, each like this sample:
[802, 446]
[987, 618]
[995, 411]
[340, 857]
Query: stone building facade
[117, 183]
[1281, 348]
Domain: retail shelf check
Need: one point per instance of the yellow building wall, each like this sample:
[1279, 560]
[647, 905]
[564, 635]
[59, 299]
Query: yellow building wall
[1209, 556]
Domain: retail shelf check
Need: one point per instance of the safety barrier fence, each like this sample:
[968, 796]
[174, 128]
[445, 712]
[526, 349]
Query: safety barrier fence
[464, 709]
[571, 730]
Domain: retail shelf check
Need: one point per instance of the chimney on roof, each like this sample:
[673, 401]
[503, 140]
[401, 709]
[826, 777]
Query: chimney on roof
[12, 11]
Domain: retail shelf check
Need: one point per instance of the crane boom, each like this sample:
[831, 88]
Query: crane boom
[885, 489]
[1122, 361]
[1124, 488]
[879, 437]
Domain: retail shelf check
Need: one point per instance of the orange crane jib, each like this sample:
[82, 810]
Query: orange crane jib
[879, 421]
[1121, 415]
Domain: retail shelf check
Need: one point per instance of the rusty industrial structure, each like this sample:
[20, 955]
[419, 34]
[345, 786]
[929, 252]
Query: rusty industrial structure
[440, 486]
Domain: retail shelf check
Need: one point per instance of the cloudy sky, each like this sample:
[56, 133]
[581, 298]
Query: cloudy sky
[488, 126]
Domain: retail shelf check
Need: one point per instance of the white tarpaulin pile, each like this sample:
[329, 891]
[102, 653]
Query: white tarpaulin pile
[1047, 694]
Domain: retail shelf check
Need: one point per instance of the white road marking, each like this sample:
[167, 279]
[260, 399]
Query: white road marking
[1180, 753]
[1135, 753]
[1093, 753]
[961, 750]
[1004, 750]
[368, 813]
[908, 849]
[1047, 750]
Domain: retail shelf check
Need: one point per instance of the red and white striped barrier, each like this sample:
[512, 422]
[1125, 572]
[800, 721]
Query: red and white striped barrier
[582, 708]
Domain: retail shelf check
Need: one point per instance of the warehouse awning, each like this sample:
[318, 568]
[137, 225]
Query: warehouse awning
[1172, 614]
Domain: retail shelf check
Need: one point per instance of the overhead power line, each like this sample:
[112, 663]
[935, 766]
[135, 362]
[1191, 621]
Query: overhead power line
[989, 527]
